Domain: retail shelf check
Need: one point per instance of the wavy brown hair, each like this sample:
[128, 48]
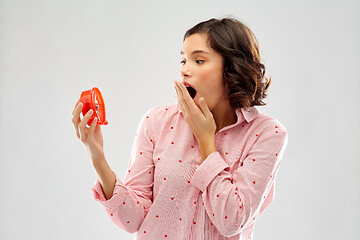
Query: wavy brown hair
[243, 73]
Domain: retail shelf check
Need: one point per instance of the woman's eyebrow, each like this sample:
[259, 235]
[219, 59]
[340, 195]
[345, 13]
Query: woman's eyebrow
[196, 51]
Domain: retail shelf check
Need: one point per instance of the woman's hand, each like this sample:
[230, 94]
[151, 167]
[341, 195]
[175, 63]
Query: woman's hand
[200, 120]
[91, 136]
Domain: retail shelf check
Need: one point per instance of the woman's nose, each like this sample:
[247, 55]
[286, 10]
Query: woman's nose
[184, 71]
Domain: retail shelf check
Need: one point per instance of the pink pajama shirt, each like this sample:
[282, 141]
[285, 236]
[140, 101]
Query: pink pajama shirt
[169, 194]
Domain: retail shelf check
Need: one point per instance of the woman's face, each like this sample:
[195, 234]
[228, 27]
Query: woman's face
[203, 70]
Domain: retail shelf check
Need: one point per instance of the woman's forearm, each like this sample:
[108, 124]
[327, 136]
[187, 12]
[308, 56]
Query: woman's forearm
[106, 176]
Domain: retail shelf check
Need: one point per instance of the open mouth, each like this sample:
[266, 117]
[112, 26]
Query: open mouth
[191, 91]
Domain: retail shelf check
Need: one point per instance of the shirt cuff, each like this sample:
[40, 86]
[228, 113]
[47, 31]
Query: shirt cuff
[208, 170]
[99, 195]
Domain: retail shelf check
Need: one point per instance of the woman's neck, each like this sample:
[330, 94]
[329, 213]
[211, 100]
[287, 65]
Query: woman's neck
[224, 115]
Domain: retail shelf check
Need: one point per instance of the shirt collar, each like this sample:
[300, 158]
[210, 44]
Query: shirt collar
[248, 115]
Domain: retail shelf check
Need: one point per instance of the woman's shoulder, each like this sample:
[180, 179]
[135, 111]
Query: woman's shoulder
[164, 112]
[264, 121]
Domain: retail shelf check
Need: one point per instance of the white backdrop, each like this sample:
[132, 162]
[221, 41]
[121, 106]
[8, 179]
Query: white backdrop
[52, 50]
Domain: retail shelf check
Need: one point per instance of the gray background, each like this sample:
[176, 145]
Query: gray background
[51, 51]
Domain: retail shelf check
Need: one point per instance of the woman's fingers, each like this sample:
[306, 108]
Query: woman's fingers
[188, 102]
[76, 118]
[76, 113]
[92, 128]
[82, 131]
[77, 104]
[82, 125]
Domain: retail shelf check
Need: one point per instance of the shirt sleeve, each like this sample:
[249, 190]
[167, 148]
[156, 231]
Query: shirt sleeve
[232, 201]
[132, 199]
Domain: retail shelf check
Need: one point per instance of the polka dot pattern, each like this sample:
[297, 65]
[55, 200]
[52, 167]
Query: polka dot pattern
[231, 183]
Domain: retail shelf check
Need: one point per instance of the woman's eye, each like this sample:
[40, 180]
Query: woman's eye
[197, 61]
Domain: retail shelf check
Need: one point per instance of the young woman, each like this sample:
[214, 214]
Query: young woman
[203, 168]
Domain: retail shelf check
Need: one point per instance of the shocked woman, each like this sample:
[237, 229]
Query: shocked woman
[205, 167]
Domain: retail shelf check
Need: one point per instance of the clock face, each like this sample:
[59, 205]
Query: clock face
[97, 105]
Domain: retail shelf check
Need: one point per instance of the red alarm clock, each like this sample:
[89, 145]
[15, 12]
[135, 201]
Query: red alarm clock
[92, 99]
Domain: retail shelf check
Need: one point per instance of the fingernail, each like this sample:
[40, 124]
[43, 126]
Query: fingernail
[90, 111]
